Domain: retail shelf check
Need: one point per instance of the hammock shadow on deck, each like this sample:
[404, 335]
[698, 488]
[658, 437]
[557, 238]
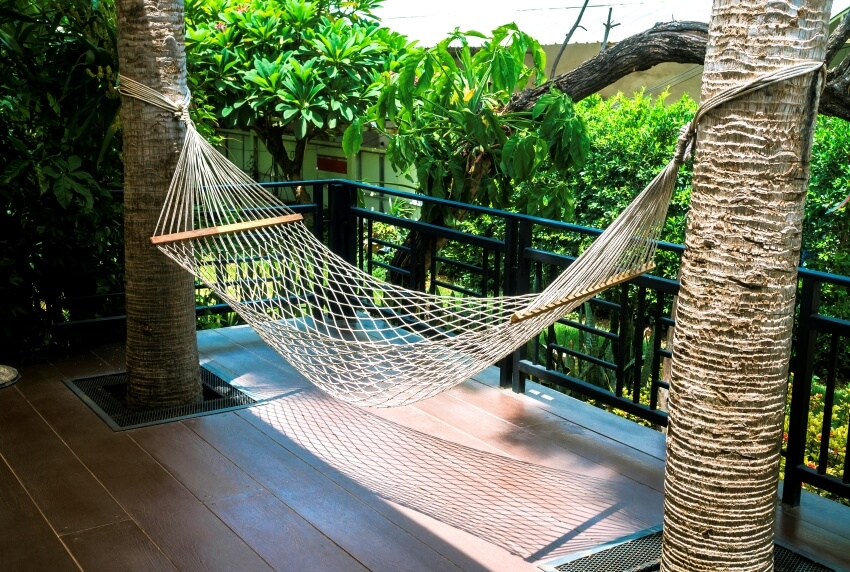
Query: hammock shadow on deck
[532, 511]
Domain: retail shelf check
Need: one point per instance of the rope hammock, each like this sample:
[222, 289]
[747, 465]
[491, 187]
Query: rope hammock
[315, 309]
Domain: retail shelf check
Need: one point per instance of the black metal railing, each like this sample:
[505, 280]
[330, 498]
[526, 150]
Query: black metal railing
[613, 350]
[821, 353]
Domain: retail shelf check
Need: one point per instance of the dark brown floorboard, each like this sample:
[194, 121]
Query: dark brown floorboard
[190, 535]
[26, 540]
[819, 528]
[68, 495]
[362, 532]
[192, 461]
[235, 492]
[281, 536]
[284, 539]
[122, 546]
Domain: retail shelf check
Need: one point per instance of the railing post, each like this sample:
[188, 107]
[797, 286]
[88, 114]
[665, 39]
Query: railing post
[518, 278]
[341, 234]
[622, 345]
[342, 238]
[637, 343]
[319, 217]
[798, 416]
[508, 363]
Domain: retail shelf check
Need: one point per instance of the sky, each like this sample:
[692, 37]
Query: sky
[546, 20]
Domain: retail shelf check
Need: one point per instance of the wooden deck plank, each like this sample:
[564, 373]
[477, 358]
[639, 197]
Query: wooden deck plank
[62, 487]
[121, 546]
[512, 505]
[636, 479]
[368, 536]
[300, 412]
[818, 528]
[515, 441]
[418, 420]
[188, 533]
[284, 539]
[810, 540]
[200, 468]
[114, 355]
[627, 461]
[26, 539]
[281, 536]
[489, 557]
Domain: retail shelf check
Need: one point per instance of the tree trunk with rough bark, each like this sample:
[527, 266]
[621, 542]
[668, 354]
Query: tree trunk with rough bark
[162, 352]
[735, 308]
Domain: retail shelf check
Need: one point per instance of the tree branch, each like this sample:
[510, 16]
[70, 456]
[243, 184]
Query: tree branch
[838, 38]
[682, 42]
[679, 42]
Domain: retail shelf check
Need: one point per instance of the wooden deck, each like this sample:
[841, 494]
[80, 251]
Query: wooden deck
[474, 479]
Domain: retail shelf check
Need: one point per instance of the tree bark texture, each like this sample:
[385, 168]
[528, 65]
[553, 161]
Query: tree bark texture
[738, 281]
[162, 353]
[679, 42]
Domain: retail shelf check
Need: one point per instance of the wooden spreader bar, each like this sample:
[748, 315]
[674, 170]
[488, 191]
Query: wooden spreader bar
[225, 229]
[586, 293]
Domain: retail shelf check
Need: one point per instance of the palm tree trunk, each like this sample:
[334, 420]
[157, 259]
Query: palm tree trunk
[735, 309]
[162, 352]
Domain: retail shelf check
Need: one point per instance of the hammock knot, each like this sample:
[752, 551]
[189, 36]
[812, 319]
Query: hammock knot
[683, 144]
[181, 110]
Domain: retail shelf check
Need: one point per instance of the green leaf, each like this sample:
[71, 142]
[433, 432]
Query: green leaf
[301, 127]
[63, 192]
[508, 156]
[14, 168]
[352, 139]
[524, 159]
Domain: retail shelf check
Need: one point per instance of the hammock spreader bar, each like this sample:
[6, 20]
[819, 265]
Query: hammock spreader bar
[225, 229]
[583, 294]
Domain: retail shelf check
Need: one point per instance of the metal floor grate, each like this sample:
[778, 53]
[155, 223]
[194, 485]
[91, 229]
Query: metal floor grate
[106, 396]
[641, 552]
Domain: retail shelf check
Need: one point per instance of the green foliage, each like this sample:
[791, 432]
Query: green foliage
[288, 67]
[632, 139]
[60, 233]
[444, 112]
[826, 232]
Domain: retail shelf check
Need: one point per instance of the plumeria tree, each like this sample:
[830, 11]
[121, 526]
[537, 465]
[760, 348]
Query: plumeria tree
[284, 69]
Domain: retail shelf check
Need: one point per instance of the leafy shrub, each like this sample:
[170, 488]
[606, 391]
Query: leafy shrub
[826, 232]
[631, 140]
[60, 230]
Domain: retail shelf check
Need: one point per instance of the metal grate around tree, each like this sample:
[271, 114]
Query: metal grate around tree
[641, 552]
[106, 396]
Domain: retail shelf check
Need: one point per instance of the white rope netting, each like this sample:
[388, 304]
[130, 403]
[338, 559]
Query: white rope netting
[356, 337]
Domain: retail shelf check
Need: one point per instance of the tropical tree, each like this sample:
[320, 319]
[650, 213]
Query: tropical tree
[296, 69]
[445, 115]
[738, 282]
[162, 352]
